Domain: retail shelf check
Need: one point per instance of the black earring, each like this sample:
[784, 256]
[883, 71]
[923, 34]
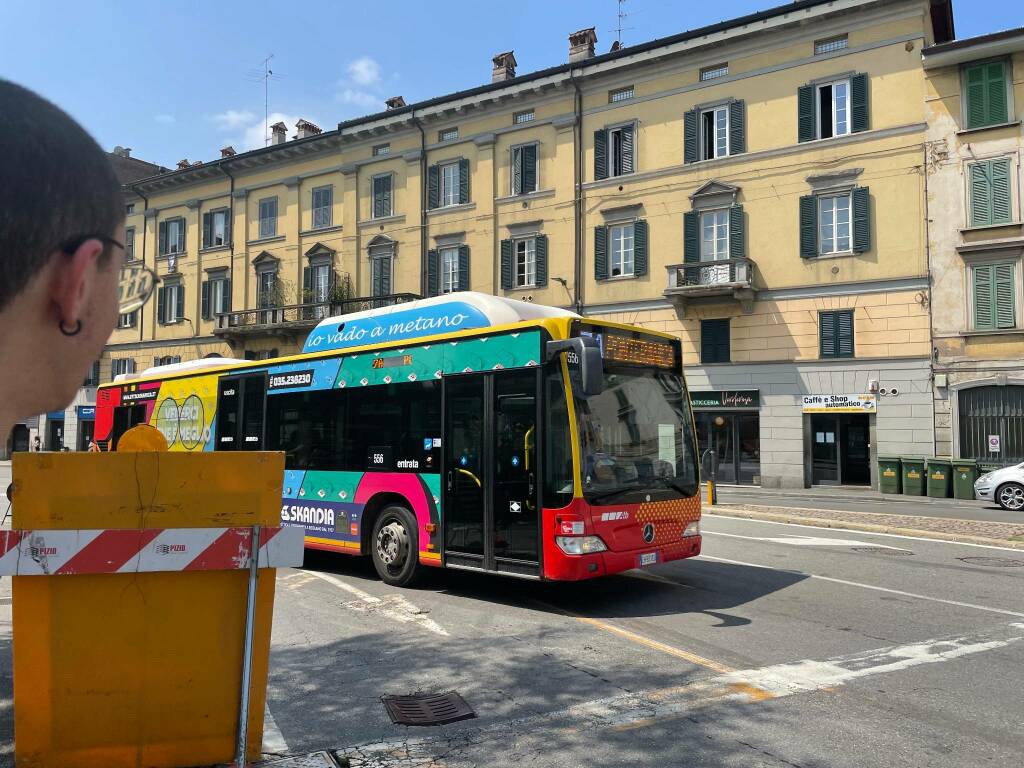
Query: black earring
[74, 331]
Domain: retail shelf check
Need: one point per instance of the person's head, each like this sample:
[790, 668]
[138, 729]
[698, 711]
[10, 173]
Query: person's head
[61, 222]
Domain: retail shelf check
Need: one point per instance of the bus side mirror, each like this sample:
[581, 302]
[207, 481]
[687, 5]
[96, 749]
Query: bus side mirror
[583, 355]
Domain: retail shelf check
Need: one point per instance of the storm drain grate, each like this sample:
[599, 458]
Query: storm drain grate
[427, 708]
[315, 760]
[993, 562]
[882, 550]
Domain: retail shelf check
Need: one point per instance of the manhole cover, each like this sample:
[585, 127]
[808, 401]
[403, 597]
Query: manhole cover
[427, 708]
[882, 550]
[993, 562]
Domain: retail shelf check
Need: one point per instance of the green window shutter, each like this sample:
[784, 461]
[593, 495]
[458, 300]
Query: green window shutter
[858, 103]
[385, 276]
[806, 123]
[737, 239]
[1003, 296]
[714, 341]
[691, 237]
[181, 231]
[844, 333]
[506, 265]
[827, 333]
[378, 197]
[541, 256]
[388, 207]
[463, 181]
[180, 305]
[861, 203]
[529, 168]
[976, 92]
[307, 285]
[433, 288]
[984, 309]
[163, 237]
[207, 230]
[808, 226]
[995, 92]
[1000, 175]
[205, 288]
[600, 154]
[690, 136]
[227, 227]
[737, 128]
[640, 241]
[463, 267]
[433, 186]
[980, 189]
[628, 145]
[601, 253]
[161, 305]
[517, 171]
[227, 295]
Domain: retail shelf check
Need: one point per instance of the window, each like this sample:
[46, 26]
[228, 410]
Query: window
[129, 209]
[216, 298]
[167, 360]
[129, 244]
[122, 365]
[215, 228]
[622, 249]
[522, 117]
[172, 236]
[93, 379]
[714, 246]
[834, 223]
[620, 94]
[985, 94]
[449, 269]
[716, 70]
[524, 169]
[450, 184]
[994, 296]
[989, 193]
[448, 134]
[266, 289]
[381, 149]
[613, 151]
[319, 282]
[836, 333]
[261, 354]
[126, 320]
[714, 341]
[526, 263]
[170, 304]
[382, 196]
[323, 200]
[830, 44]
[833, 109]
[380, 275]
[714, 128]
[268, 217]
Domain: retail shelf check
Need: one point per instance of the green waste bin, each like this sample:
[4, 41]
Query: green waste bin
[889, 474]
[913, 475]
[965, 472]
[939, 478]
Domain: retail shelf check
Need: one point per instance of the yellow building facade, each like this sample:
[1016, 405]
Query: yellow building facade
[755, 187]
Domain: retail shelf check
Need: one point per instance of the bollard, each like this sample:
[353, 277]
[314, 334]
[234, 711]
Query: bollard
[131, 637]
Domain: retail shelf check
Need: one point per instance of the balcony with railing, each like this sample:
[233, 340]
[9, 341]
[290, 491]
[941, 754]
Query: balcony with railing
[294, 320]
[725, 277]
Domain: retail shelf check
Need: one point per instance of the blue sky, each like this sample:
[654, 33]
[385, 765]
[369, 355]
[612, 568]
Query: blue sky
[180, 79]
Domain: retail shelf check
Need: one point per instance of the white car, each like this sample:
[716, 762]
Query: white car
[1004, 486]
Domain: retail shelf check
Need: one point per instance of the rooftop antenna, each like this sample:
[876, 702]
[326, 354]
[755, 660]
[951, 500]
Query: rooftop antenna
[620, 29]
[267, 72]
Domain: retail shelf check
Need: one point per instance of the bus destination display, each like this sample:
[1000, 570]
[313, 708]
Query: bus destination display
[629, 351]
[395, 361]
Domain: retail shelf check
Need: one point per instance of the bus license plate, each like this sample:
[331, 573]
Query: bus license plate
[648, 558]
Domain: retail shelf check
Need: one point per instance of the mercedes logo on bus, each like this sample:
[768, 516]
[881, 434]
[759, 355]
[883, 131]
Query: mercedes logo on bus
[649, 532]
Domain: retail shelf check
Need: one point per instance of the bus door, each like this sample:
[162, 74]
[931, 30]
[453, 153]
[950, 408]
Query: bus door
[126, 417]
[241, 412]
[491, 509]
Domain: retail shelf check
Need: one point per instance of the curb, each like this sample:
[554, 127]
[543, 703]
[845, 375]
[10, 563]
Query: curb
[821, 522]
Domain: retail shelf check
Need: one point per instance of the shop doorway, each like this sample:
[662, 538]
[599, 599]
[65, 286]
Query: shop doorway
[840, 449]
[86, 430]
[734, 440]
[54, 434]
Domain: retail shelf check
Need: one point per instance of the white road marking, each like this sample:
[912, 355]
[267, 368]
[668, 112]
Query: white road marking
[393, 606]
[861, 585]
[806, 541]
[273, 739]
[925, 539]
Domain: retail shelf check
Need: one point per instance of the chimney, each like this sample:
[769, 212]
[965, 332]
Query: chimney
[183, 164]
[395, 102]
[122, 151]
[504, 67]
[581, 44]
[227, 152]
[279, 133]
[304, 128]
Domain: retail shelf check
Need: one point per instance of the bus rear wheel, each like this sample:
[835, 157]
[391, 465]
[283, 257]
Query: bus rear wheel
[395, 547]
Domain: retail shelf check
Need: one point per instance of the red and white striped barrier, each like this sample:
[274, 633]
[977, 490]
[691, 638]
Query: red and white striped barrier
[148, 550]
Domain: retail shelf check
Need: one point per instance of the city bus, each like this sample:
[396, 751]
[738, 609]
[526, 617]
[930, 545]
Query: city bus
[463, 431]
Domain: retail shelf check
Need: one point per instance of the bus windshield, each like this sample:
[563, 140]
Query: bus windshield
[637, 437]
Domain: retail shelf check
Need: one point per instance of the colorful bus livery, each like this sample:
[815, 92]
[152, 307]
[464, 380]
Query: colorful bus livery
[465, 431]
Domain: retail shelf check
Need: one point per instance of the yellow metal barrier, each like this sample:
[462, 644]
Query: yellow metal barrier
[139, 669]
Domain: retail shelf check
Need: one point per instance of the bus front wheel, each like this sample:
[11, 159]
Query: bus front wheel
[395, 548]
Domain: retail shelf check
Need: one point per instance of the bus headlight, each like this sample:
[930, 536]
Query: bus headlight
[692, 529]
[580, 545]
